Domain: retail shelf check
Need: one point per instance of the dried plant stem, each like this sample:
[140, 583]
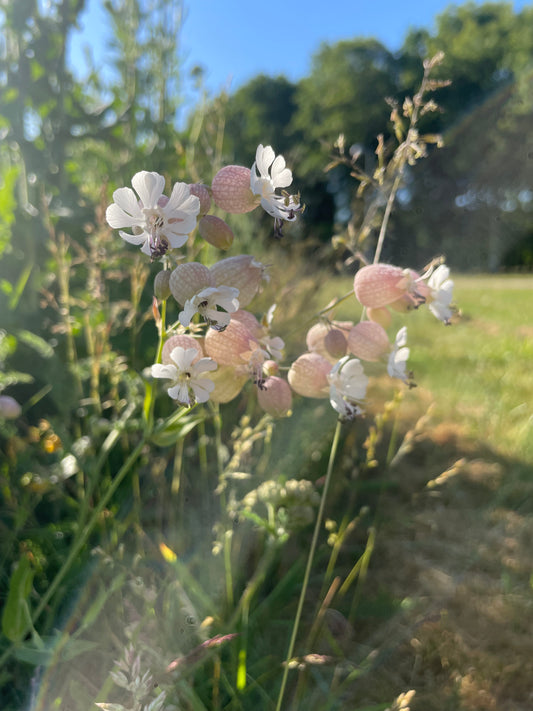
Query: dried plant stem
[386, 216]
[312, 549]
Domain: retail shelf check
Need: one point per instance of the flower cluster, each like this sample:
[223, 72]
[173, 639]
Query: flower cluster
[328, 368]
[217, 345]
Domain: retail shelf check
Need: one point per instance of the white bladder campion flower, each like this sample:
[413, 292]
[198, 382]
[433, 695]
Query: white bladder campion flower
[185, 373]
[441, 294]
[397, 361]
[269, 173]
[347, 387]
[157, 223]
[208, 303]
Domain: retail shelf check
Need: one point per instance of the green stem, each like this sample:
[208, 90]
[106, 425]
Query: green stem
[228, 576]
[318, 525]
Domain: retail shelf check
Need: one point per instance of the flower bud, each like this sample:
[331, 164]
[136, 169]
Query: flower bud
[270, 367]
[380, 284]
[185, 342]
[242, 272]
[9, 407]
[202, 193]
[215, 231]
[162, 285]
[335, 343]
[188, 279]
[231, 189]
[368, 341]
[308, 375]
[275, 396]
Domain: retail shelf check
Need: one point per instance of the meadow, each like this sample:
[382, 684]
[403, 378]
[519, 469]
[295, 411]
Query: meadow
[422, 578]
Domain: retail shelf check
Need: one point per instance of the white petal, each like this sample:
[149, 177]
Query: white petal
[135, 239]
[181, 199]
[164, 371]
[176, 241]
[145, 249]
[201, 389]
[180, 392]
[125, 211]
[401, 337]
[185, 316]
[439, 276]
[281, 176]
[183, 357]
[203, 365]
[440, 311]
[264, 157]
[149, 187]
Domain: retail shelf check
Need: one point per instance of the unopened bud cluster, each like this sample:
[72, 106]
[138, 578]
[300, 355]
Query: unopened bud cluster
[288, 505]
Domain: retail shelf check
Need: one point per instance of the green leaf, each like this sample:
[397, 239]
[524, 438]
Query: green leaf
[16, 619]
[173, 432]
[44, 653]
[36, 342]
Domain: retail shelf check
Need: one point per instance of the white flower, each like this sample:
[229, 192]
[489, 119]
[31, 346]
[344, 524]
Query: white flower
[187, 385]
[396, 366]
[441, 293]
[269, 173]
[158, 223]
[206, 303]
[274, 346]
[347, 387]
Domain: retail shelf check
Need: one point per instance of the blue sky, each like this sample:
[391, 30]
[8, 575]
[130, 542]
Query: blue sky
[236, 39]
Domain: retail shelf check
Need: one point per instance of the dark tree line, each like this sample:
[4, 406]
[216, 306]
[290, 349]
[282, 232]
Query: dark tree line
[471, 199]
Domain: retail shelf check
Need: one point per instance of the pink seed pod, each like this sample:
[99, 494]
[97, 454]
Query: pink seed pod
[227, 346]
[308, 375]
[202, 193]
[335, 343]
[368, 341]
[231, 190]
[316, 337]
[228, 383]
[185, 342]
[380, 284]
[215, 231]
[242, 272]
[9, 407]
[248, 320]
[382, 315]
[275, 396]
[188, 279]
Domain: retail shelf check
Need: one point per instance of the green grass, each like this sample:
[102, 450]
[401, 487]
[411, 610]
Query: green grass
[478, 370]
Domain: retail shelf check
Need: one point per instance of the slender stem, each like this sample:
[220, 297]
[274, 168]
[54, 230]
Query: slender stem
[318, 525]
[386, 216]
[227, 535]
